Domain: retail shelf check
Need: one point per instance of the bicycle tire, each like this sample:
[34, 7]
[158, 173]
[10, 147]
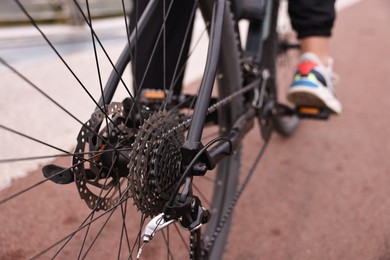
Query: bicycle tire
[284, 125]
[224, 185]
[229, 81]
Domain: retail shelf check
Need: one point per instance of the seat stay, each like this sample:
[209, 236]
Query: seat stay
[193, 141]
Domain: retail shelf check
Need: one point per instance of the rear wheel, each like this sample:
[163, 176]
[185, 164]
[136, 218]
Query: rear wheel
[120, 196]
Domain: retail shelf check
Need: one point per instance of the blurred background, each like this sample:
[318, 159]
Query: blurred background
[57, 11]
[24, 48]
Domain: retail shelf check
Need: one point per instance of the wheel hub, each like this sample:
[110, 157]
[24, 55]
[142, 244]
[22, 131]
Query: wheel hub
[101, 157]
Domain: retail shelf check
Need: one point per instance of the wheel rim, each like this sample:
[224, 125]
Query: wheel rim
[94, 236]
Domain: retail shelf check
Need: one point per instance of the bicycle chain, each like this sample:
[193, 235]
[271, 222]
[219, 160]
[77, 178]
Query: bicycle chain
[185, 124]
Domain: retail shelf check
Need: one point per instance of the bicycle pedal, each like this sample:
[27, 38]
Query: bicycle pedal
[152, 95]
[313, 113]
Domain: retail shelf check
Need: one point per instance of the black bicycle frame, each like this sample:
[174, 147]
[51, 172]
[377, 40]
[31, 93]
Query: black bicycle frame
[193, 144]
[258, 31]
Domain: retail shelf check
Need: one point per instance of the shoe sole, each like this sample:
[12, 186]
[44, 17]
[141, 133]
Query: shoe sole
[305, 99]
[304, 96]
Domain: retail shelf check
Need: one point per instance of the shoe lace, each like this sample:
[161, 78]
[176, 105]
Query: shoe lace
[334, 77]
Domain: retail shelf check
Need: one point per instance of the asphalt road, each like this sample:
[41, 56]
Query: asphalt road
[324, 193]
[321, 194]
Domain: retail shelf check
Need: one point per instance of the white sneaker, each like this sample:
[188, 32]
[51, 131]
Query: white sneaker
[312, 85]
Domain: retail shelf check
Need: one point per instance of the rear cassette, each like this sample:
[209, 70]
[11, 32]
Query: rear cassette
[155, 162]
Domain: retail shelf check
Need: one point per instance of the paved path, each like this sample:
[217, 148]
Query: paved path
[322, 194]
[325, 193]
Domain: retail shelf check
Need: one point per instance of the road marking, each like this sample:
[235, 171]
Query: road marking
[342, 4]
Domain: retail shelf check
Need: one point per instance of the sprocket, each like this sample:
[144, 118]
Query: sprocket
[155, 162]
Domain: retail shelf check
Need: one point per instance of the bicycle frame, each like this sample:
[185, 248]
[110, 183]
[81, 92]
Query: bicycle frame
[257, 33]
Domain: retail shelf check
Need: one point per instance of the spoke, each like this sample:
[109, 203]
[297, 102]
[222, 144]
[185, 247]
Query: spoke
[196, 44]
[49, 145]
[166, 240]
[165, 47]
[181, 105]
[56, 103]
[94, 38]
[97, 61]
[63, 60]
[29, 82]
[124, 228]
[2, 201]
[183, 240]
[91, 217]
[12, 160]
[33, 139]
[187, 34]
[135, 102]
[43, 93]
[82, 244]
[127, 25]
[101, 192]
[69, 237]
[103, 49]
[54, 49]
[168, 249]
[155, 46]
[138, 238]
[98, 234]
[85, 223]
[43, 181]
[183, 67]
[202, 195]
[134, 60]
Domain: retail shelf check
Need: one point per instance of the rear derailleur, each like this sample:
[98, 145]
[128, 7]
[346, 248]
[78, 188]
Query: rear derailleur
[184, 208]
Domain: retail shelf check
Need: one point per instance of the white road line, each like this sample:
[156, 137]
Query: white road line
[342, 4]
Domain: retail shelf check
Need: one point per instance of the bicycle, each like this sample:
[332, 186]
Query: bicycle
[154, 141]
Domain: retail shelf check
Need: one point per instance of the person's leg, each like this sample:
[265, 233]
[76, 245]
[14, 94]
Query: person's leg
[319, 45]
[312, 17]
[312, 85]
[313, 20]
[159, 72]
